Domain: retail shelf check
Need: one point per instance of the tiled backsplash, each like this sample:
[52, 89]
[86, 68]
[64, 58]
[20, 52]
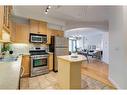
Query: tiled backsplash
[1, 46]
[21, 48]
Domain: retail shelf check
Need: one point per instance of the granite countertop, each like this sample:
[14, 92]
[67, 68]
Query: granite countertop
[10, 74]
[70, 59]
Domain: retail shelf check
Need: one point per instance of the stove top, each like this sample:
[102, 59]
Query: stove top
[37, 51]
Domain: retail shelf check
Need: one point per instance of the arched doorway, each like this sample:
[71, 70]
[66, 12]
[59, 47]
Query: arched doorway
[89, 38]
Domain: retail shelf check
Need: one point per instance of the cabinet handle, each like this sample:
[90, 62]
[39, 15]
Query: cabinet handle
[22, 71]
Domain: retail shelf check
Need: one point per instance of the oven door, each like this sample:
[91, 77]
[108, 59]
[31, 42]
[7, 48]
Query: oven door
[39, 62]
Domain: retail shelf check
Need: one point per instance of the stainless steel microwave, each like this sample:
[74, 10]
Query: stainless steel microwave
[38, 38]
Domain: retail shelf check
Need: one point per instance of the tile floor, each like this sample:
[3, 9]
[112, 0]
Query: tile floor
[49, 81]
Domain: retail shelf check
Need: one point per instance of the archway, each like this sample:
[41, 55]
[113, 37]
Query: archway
[96, 39]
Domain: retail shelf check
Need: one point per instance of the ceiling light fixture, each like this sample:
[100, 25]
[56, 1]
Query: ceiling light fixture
[47, 9]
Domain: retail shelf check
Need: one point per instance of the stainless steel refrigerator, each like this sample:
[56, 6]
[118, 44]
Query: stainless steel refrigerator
[59, 46]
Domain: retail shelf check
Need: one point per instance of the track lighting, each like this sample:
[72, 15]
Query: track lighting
[47, 9]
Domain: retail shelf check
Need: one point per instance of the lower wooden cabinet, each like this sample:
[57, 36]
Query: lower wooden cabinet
[50, 61]
[26, 65]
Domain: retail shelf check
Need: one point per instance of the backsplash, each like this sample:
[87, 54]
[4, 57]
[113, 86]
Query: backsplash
[18, 48]
[21, 48]
[1, 46]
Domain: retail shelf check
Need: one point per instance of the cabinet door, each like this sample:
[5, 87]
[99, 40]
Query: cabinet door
[12, 31]
[42, 28]
[22, 33]
[26, 65]
[49, 36]
[52, 32]
[50, 61]
[60, 33]
[34, 26]
[1, 20]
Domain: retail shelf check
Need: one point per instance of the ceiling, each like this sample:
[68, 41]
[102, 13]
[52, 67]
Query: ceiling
[64, 14]
[79, 32]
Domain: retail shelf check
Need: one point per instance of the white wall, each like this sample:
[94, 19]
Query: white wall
[102, 43]
[93, 40]
[118, 46]
[105, 47]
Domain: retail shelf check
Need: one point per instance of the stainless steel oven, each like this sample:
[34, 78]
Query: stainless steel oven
[39, 62]
[38, 38]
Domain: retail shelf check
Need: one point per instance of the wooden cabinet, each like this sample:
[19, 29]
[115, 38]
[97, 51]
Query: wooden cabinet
[50, 61]
[7, 14]
[38, 27]
[42, 28]
[56, 32]
[60, 33]
[1, 20]
[34, 27]
[48, 36]
[12, 31]
[22, 33]
[26, 65]
[53, 32]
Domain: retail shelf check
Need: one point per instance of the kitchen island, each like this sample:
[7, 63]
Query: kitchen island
[10, 74]
[69, 71]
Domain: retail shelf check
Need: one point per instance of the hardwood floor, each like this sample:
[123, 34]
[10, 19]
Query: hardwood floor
[97, 70]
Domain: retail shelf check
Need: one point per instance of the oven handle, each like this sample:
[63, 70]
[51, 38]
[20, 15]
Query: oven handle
[39, 57]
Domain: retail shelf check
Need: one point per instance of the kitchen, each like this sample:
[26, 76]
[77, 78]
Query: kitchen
[31, 44]
[30, 38]
[38, 46]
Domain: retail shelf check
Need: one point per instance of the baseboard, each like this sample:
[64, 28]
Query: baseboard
[114, 83]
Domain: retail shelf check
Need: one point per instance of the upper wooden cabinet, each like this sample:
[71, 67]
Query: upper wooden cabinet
[60, 33]
[42, 27]
[7, 14]
[12, 31]
[1, 20]
[56, 32]
[22, 33]
[34, 27]
[53, 32]
[38, 27]
[49, 31]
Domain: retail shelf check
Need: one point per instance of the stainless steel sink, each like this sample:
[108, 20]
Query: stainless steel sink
[11, 59]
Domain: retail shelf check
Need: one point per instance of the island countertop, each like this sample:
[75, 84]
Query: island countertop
[10, 74]
[70, 59]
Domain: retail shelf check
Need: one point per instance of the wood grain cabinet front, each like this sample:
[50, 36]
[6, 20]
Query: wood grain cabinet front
[1, 20]
[26, 65]
[22, 33]
[50, 61]
[34, 26]
[38, 27]
[42, 27]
